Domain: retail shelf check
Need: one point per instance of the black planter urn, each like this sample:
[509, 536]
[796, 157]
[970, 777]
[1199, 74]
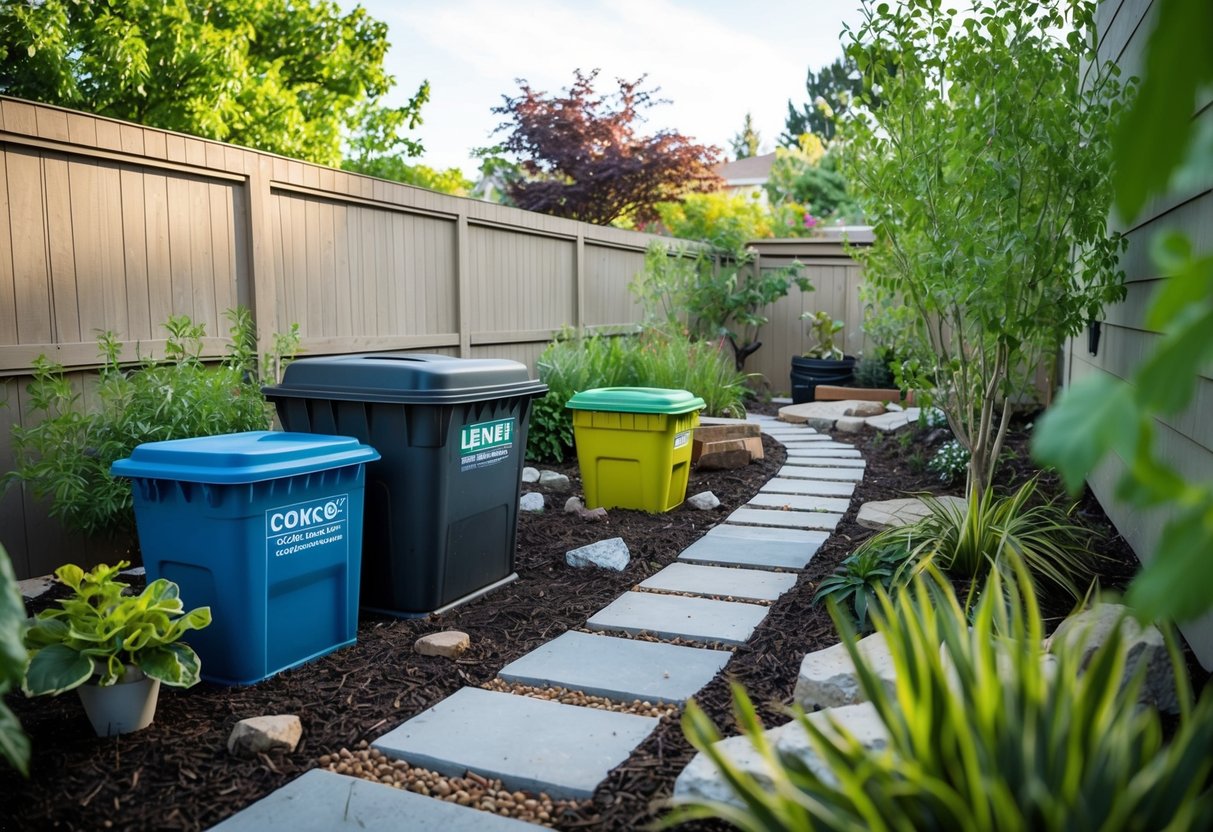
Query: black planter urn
[807, 373]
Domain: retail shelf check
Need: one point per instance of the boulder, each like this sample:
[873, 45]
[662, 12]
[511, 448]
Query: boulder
[1142, 646]
[611, 553]
[884, 514]
[864, 409]
[850, 424]
[257, 734]
[553, 481]
[827, 677]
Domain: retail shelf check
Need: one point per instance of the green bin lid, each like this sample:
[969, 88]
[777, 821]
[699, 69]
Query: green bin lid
[636, 400]
[239, 458]
[406, 378]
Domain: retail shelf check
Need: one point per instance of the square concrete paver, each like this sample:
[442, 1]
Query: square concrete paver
[782, 485]
[784, 519]
[800, 502]
[323, 801]
[621, 669]
[806, 435]
[673, 616]
[742, 584]
[531, 744]
[827, 445]
[824, 462]
[810, 449]
[814, 472]
[755, 547]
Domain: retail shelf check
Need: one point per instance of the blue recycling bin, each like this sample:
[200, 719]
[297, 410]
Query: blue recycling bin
[263, 527]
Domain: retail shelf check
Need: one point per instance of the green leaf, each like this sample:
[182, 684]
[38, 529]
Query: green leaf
[1151, 139]
[14, 745]
[54, 669]
[1167, 586]
[1166, 380]
[12, 621]
[1091, 417]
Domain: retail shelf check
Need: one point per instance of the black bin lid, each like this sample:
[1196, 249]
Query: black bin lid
[405, 377]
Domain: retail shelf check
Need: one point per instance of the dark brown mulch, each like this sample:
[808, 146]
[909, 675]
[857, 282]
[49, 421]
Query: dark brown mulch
[177, 774]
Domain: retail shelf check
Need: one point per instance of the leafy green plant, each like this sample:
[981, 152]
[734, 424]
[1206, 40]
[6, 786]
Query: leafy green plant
[986, 174]
[950, 462]
[994, 533]
[67, 454]
[719, 294]
[822, 329]
[858, 578]
[873, 371]
[1158, 145]
[982, 733]
[99, 630]
[14, 745]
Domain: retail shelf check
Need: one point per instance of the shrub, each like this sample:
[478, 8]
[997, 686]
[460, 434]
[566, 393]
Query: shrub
[873, 371]
[656, 357]
[67, 455]
[982, 734]
[858, 578]
[994, 533]
[950, 462]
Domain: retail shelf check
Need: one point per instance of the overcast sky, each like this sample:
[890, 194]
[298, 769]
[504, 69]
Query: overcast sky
[714, 59]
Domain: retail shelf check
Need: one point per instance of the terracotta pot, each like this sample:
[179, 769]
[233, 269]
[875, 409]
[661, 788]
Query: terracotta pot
[126, 706]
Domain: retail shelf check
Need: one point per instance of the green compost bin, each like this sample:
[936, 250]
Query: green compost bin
[442, 503]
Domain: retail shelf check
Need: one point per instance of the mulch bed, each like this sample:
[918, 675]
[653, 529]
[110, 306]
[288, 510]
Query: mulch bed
[177, 774]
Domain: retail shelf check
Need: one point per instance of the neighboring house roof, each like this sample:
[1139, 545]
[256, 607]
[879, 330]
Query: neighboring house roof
[754, 170]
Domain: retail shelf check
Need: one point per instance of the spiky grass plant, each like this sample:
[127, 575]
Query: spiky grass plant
[983, 733]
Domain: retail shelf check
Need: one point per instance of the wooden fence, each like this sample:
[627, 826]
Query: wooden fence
[106, 225]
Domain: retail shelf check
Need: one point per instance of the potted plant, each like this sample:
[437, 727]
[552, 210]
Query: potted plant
[824, 362]
[114, 647]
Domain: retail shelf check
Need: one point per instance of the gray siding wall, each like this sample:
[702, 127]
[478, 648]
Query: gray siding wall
[1186, 441]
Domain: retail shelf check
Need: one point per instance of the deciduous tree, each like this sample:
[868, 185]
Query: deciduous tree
[831, 92]
[287, 76]
[581, 157]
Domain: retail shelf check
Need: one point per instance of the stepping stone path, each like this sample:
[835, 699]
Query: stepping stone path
[566, 751]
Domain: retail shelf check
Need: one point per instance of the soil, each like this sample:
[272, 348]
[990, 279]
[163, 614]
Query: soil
[178, 775]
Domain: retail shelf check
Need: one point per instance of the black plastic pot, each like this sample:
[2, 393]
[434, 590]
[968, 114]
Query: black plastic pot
[807, 373]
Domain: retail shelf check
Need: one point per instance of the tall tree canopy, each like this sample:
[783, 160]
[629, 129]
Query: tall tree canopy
[831, 92]
[285, 76]
[745, 144]
[580, 156]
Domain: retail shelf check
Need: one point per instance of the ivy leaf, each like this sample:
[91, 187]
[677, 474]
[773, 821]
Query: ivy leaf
[1085, 422]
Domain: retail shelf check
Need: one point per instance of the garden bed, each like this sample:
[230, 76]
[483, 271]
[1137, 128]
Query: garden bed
[177, 774]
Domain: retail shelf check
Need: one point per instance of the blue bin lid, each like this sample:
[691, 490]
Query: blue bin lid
[237, 458]
[406, 378]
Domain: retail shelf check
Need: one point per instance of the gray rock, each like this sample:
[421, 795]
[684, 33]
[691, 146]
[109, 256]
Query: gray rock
[850, 424]
[827, 677]
[252, 736]
[573, 505]
[819, 415]
[884, 514]
[592, 515]
[894, 420]
[1142, 646]
[864, 409]
[553, 481]
[704, 501]
[530, 475]
[448, 644]
[861, 721]
[611, 553]
[531, 502]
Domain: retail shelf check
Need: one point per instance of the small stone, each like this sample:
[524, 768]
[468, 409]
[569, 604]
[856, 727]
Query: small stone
[864, 409]
[611, 553]
[593, 515]
[573, 505]
[703, 501]
[448, 644]
[252, 736]
[531, 501]
[553, 481]
[530, 475]
[850, 424]
[828, 679]
[1091, 628]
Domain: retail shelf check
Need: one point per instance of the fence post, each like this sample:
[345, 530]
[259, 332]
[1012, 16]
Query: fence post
[462, 280]
[263, 292]
[579, 280]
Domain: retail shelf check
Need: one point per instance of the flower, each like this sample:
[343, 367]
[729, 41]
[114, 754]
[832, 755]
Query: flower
[809, 220]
